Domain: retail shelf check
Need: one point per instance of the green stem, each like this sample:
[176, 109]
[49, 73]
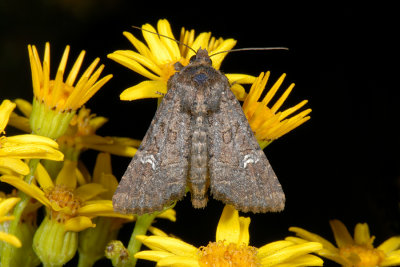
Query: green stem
[6, 253]
[142, 224]
[50, 265]
[86, 260]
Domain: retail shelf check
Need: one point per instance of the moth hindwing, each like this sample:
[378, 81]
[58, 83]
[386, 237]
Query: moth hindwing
[200, 139]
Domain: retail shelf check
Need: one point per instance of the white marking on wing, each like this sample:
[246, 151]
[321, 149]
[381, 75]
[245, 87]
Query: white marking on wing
[249, 158]
[149, 159]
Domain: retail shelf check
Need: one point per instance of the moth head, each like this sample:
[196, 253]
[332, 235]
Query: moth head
[201, 57]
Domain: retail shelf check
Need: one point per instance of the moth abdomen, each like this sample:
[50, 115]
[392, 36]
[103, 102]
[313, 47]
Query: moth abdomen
[198, 174]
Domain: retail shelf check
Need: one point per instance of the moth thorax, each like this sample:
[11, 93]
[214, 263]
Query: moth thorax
[198, 177]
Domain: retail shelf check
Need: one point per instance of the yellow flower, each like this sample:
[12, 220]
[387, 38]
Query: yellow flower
[27, 146]
[59, 94]
[55, 101]
[80, 134]
[69, 210]
[6, 204]
[231, 248]
[157, 60]
[268, 123]
[353, 252]
[65, 202]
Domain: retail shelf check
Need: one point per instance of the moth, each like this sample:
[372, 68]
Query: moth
[199, 139]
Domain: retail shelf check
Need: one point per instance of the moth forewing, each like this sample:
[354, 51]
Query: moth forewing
[157, 173]
[199, 138]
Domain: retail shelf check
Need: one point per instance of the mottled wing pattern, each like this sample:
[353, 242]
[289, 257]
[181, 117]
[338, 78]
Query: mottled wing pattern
[157, 173]
[240, 173]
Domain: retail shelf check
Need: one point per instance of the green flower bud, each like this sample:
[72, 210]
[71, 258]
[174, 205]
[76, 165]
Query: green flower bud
[53, 244]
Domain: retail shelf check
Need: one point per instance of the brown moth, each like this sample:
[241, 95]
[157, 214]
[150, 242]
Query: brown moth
[200, 139]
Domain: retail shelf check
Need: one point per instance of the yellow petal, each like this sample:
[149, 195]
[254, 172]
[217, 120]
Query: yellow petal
[179, 261]
[240, 78]
[152, 255]
[244, 237]
[146, 89]
[32, 139]
[102, 208]
[273, 247]
[140, 46]
[239, 91]
[7, 204]
[110, 183]
[79, 223]
[342, 235]
[164, 28]
[31, 151]
[170, 244]
[115, 149]
[362, 235]
[15, 165]
[389, 245]
[158, 48]
[66, 176]
[24, 106]
[6, 109]
[169, 214]
[137, 62]
[11, 239]
[29, 189]
[314, 237]
[305, 260]
[228, 228]
[103, 165]
[20, 122]
[43, 177]
[156, 231]
[291, 252]
[89, 191]
[393, 259]
[227, 44]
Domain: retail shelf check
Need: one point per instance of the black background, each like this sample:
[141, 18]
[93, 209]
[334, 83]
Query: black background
[341, 164]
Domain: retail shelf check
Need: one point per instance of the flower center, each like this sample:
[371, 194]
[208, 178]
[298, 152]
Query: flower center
[362, 255]
[220, 254]
[62, 197]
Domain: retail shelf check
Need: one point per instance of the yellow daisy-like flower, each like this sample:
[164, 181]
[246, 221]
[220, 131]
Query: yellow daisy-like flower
[268, 123]
[6, 204]
[56, 100]
[59, 94]
[66, 203]
[157, 60]
[69, 210]
[80, 134]
[353, 252]
[26, 146]
[231, 248]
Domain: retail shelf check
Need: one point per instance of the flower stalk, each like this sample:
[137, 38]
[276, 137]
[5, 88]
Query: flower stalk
[143, 223]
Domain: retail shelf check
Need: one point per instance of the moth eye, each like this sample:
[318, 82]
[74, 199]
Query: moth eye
[193, 58]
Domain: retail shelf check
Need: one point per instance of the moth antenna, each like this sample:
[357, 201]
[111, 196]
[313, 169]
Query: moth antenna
[162, 35]
[251, 49]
